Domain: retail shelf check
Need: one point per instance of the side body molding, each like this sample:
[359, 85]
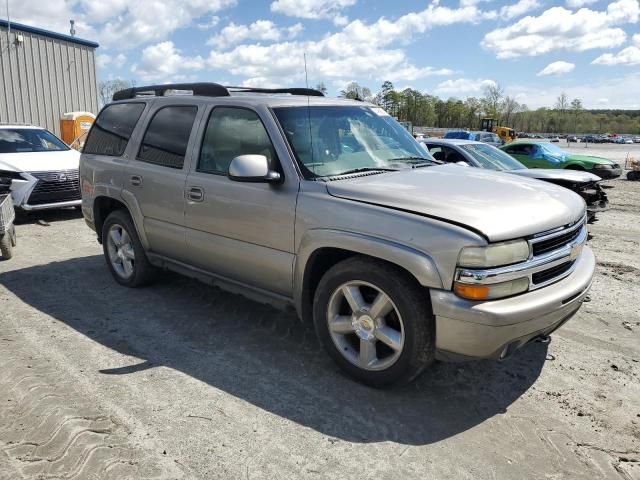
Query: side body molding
[418, 263]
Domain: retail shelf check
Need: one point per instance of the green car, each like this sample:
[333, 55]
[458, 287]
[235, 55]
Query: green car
[547, 155]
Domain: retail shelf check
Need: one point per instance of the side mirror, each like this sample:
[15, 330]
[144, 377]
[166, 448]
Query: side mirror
[252, 168]
[463, 163]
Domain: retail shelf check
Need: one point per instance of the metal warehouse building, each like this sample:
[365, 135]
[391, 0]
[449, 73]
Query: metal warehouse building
[44, 75]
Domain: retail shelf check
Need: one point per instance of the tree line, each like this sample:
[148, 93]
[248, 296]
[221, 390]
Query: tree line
[565, 116]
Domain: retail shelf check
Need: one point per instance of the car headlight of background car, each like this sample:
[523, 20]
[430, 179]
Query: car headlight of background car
[602, 166]
[11, 174]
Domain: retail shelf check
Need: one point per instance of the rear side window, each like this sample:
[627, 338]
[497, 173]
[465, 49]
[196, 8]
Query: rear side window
[167, 137]
[112, 129]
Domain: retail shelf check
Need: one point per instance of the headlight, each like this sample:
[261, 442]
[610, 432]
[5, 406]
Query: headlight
[10, 174]
[495, 255]
[491, 291]
[602, 166]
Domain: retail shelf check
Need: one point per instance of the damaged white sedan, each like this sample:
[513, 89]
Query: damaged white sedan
[42, 168]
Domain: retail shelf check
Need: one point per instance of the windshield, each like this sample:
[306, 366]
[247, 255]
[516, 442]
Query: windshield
[492, 158]
[331, 140]
[553, 150]
[19, 140]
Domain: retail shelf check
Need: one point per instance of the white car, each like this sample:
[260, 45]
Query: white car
[43, 169]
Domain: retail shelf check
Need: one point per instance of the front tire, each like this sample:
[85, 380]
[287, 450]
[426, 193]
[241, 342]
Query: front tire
[124, 253]
[375, 321]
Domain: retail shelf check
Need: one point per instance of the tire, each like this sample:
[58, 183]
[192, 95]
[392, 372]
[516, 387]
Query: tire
[409, 324]
[633, 175]
[575, 167]
[125, 256]
[6, 246]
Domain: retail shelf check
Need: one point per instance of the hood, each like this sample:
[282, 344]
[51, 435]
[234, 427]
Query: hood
[590, 159]
[548, 174]
[40, 161]
[500, 205]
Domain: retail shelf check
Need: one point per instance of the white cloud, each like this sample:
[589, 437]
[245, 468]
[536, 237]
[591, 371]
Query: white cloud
[164, 62]
[264, 30]
[360, 50]
[463, 87]
[626, 56]
[518, 9]
[211, 23]
[557, 68]
[313, 9]
[558, 28]
[104, 60]
[617, 92]
[579, 3]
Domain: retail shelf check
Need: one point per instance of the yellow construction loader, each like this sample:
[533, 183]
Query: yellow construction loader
[507, 134]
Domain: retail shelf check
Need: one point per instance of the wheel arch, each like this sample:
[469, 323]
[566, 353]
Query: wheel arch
[321, 249]
[104, 204]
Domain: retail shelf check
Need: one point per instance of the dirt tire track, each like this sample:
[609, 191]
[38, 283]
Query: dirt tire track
[51, 430]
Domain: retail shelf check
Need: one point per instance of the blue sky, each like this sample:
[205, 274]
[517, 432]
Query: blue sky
[534, 49]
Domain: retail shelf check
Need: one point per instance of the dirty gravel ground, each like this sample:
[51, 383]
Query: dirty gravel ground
[181, 380]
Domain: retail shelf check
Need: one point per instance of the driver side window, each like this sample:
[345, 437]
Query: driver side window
[232, 132]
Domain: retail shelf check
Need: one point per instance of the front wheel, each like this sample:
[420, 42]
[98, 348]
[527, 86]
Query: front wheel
[375, 321]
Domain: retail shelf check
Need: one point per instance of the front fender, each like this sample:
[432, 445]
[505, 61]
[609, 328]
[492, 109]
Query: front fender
[417, 263]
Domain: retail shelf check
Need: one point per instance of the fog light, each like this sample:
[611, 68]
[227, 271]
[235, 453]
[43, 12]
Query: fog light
[491, 291]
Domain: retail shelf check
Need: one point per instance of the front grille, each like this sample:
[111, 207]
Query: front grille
[554, 243]
[550, 273]
[55, 187]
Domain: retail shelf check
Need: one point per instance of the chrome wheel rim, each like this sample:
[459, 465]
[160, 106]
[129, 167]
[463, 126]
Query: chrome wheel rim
[121, 253]
[365, 325]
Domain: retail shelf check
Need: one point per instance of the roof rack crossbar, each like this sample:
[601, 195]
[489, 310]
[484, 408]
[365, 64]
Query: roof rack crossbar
[206, 89]
[291, 91]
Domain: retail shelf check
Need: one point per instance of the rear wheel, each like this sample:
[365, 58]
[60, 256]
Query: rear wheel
[374, 321]
[123, 251]
[6, 245]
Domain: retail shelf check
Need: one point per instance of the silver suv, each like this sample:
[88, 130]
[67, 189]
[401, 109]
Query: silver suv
[331, 206]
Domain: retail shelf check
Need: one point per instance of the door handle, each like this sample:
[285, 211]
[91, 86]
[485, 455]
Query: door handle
[195, 194]
[136, 180]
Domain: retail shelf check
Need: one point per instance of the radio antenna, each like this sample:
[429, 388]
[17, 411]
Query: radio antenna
[306, 78]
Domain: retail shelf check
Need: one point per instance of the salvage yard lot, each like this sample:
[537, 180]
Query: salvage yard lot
[181, 380]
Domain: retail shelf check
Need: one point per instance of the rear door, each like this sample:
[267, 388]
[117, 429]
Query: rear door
[242, 231]
[156, 176]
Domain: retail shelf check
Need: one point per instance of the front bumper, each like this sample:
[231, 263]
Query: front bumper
[607, 173]
[494, 329]
[50, 206]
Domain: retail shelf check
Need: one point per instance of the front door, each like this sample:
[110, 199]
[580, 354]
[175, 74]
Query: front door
[241, 231]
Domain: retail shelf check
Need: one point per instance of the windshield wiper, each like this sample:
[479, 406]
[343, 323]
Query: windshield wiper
[416, 162]
[366, 169]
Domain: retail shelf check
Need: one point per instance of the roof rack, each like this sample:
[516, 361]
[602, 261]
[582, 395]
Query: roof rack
[307, 92]
[206, 89]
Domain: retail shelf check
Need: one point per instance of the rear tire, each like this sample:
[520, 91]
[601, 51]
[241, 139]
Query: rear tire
[6, 246]
[124, 252]
[375, 321]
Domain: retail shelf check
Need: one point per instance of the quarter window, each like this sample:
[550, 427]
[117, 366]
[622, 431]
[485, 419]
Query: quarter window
[232, 132]
[112, 129]
[167, 137]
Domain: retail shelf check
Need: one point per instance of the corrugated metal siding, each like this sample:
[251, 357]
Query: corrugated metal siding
[42, 78]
